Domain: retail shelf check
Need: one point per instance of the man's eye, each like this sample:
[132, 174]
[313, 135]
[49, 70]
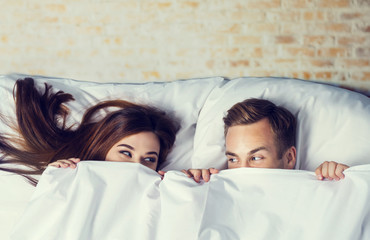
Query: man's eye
[127, 153]
[233, 160]
[149, 159]
[256, 158]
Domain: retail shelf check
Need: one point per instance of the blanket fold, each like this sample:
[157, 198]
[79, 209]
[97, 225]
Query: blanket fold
[101, 200]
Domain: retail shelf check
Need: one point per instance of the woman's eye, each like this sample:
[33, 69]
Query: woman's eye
[149, 159]
[233, 160]
[256, 158]
[126, 153]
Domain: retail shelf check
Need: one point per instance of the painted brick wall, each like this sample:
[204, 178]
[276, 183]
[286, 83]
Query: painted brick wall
[138, 40]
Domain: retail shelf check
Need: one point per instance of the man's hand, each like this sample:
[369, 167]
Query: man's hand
[330, 170]
[198, 174]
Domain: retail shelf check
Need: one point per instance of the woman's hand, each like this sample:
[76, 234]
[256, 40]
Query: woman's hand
[160, 172]
[330, 170]
[66, 163]
[198, 174]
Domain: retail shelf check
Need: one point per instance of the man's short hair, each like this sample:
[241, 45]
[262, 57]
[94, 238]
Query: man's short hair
[282, 122]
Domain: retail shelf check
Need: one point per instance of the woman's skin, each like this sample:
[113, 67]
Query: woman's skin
[140, 148]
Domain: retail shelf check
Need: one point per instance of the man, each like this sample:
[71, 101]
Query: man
[262, 135]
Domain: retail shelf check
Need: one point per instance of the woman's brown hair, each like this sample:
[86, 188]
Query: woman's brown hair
[45, 136]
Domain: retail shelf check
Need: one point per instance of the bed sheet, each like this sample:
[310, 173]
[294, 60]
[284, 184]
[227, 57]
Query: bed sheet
[128, 201]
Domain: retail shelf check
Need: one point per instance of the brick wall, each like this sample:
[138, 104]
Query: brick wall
[138, 40]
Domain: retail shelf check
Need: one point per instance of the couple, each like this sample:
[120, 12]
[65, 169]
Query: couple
[258, 134]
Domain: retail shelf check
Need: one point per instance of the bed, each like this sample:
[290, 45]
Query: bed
[101, 200]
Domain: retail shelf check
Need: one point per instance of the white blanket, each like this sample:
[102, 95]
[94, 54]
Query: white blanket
[101, 200]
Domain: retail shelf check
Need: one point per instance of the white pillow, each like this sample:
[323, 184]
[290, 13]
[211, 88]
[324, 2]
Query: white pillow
[183, 99]
[333, 123]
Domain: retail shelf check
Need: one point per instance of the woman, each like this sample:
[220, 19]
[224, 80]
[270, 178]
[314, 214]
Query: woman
[132, 133]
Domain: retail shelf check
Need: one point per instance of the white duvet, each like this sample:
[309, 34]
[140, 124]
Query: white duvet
[109, 200]
[102, 200]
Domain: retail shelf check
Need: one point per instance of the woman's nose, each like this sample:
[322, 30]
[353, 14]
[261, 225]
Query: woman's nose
[136, 159]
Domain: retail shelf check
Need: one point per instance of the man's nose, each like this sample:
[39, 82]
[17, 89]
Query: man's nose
[244, 163]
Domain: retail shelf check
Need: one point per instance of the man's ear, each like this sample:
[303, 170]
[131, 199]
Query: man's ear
[290, 158]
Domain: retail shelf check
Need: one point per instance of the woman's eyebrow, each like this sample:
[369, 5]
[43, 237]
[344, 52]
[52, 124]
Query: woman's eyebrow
[126, 145]
[153, 153]
[132, 148]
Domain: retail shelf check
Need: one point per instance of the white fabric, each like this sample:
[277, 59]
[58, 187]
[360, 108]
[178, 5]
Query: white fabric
[333, 125]
[98, 200]
[101, 200]
[14, 195]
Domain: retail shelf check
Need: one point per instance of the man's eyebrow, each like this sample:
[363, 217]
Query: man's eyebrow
[231, 154]
[257, 150]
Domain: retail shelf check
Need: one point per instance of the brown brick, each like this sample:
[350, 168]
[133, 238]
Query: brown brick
[321, 63]
[163, 5]
[257, 28]
[356, 63]
[318, 40]
[361, 76]
[333, 52]
[293, 28]
[350, 40]
[286, 62]
[351, 16]
[56, 7]
[261, 4]
[151, 74]
[93, 30]
[262, 73]
[366, 29]
[247, 16]
[299, 51]
[64, 53]
[288, 16]
[309, 16]
[293, 75]
[298, 3]
[323, 75]
[363, 3]
[333, 3]
[257, 53]
[191, 4]
[4, 39]
[247, 40]
[300, 75]
[363, 52]
[337, 27]
[285, 39]
[215, 39]
[239, 63]
[306, 75]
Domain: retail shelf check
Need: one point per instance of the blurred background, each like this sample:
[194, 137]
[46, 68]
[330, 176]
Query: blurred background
[140, 41]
